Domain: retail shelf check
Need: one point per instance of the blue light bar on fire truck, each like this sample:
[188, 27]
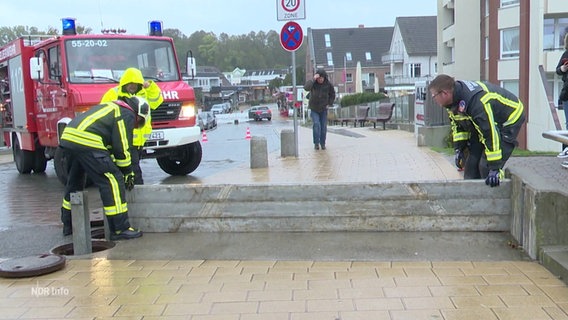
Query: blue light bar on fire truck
[68, 25]
[155, 28]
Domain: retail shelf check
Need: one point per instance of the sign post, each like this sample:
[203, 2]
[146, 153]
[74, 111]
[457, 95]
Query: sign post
[291, 38]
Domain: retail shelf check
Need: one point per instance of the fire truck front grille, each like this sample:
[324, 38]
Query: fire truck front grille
[166, 111]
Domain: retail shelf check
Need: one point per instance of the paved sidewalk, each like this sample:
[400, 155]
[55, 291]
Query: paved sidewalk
[415, 277]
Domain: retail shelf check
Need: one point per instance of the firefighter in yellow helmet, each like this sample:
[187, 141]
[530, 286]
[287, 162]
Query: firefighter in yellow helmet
[131, 84]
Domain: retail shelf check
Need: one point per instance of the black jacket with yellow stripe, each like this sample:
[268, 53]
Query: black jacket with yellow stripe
[483, 109]
[105, 127]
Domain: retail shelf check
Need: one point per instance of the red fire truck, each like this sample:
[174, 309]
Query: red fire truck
[46, 80]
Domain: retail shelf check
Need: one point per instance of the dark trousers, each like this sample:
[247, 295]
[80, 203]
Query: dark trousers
[476, 163]
[100, 168]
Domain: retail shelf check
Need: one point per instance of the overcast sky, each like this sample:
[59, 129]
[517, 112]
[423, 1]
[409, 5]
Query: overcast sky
[219, 16]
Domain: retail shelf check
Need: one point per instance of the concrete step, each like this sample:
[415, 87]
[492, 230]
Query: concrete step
[415, 206]
[555, 259]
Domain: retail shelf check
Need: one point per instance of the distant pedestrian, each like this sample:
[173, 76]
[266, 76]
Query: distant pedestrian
[321, 96]
[484, 117]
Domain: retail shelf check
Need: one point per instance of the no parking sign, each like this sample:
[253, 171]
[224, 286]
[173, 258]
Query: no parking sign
[291, 36]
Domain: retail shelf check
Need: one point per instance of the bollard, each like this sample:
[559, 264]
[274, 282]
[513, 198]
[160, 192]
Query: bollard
[287, 143]
[81, 221]
[106, 227]
[258, 153]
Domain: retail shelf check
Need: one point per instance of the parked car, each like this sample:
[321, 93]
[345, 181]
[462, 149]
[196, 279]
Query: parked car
[218, 108]
[259, 113]
[209, 119]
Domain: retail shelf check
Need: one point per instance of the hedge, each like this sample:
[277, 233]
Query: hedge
[361, 98]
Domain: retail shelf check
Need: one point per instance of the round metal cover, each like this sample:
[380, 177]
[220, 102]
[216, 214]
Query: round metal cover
[31, 266]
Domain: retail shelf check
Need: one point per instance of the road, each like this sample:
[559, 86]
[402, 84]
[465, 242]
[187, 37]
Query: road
[226, 148]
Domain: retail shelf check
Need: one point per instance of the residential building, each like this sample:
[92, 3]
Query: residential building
[412, 55]
[508, 42]
[254, 77]
[205, 78]
[350, 56]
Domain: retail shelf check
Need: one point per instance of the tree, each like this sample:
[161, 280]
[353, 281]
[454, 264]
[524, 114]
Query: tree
[252, 51]
[8, 34]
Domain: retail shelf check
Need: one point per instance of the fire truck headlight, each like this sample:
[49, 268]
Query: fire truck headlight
[187, 111]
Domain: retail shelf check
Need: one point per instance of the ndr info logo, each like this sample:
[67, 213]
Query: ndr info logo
[38, 291]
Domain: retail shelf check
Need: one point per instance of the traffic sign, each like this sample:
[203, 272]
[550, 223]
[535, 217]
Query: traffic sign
[291, 36]
[290, 10]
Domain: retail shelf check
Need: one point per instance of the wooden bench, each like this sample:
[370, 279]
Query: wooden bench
[360, 117]
[384, 114]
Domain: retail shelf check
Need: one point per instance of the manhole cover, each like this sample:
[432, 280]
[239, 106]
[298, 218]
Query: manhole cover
[31, 266]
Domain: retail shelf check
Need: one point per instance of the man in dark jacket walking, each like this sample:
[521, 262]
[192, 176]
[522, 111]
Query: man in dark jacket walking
[97, 143]
[484, 115]
[322, 94]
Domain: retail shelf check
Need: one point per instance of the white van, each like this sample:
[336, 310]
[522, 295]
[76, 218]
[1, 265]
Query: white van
[218, 108]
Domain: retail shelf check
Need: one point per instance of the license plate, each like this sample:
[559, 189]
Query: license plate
[157, 135]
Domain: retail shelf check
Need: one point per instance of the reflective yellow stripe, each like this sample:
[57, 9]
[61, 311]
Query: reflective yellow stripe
[83, 138]
[66, 205]
[119, 207]
[461, 136]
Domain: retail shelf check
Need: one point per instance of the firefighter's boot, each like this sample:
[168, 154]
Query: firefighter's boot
[120, 228]
[66, 219]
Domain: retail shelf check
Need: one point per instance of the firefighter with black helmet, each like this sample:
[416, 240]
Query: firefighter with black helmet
[97, 144]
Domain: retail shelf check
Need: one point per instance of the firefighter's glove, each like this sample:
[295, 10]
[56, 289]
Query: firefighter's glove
[459, 159]
[129, 181]
[494, 177]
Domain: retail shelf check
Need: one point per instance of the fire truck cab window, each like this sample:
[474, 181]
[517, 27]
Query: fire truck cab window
[54, 63]
[105, 60]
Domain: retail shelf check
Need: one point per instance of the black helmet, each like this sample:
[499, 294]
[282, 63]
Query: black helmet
[140, 107]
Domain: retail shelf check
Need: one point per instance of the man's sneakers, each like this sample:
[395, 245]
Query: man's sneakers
[563, 154]
[127, 234]
[317, 146]
[564, 164]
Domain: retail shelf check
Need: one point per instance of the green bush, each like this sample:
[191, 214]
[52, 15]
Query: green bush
[361, 98]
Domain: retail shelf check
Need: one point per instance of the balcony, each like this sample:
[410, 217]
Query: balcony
[395, 80]
[392, 58]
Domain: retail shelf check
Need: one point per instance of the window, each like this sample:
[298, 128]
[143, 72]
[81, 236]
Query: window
[371, 79]
[327, 40]
[486, 48]
[414, 70]
[554, 31]
[508, 3]
[368, 56]
[509, 43]
[349, 77]
[54, 63]
[329, 59]
[511, 85]
[348, 56]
